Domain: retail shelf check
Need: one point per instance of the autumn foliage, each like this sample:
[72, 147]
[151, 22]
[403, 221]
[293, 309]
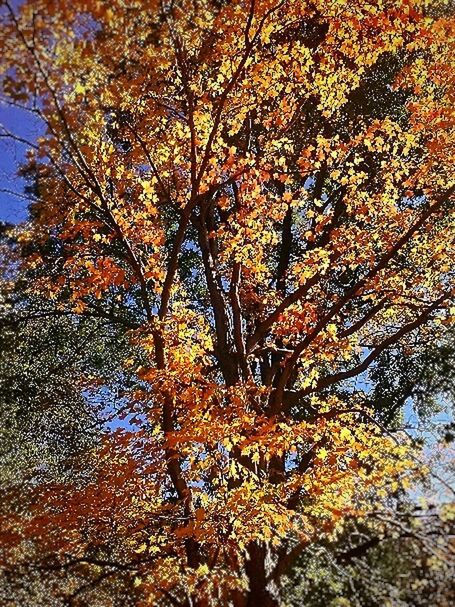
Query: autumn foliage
[261, 191]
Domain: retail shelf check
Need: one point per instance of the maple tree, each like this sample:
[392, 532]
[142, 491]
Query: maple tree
[226, 179]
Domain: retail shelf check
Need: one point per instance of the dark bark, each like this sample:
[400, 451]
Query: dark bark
[259, 595]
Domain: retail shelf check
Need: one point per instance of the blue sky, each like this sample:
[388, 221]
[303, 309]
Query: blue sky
[13, 208]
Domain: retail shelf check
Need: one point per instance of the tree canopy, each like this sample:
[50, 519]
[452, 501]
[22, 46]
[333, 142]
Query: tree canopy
[260, 194]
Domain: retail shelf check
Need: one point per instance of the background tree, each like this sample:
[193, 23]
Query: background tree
[223, 173]
[52, 419]
[405, 562]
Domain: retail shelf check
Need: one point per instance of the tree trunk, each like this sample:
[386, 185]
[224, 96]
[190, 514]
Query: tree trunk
[258, 595]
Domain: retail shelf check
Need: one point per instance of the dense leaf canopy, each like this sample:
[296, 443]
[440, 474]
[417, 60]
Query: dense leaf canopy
[261, 194]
